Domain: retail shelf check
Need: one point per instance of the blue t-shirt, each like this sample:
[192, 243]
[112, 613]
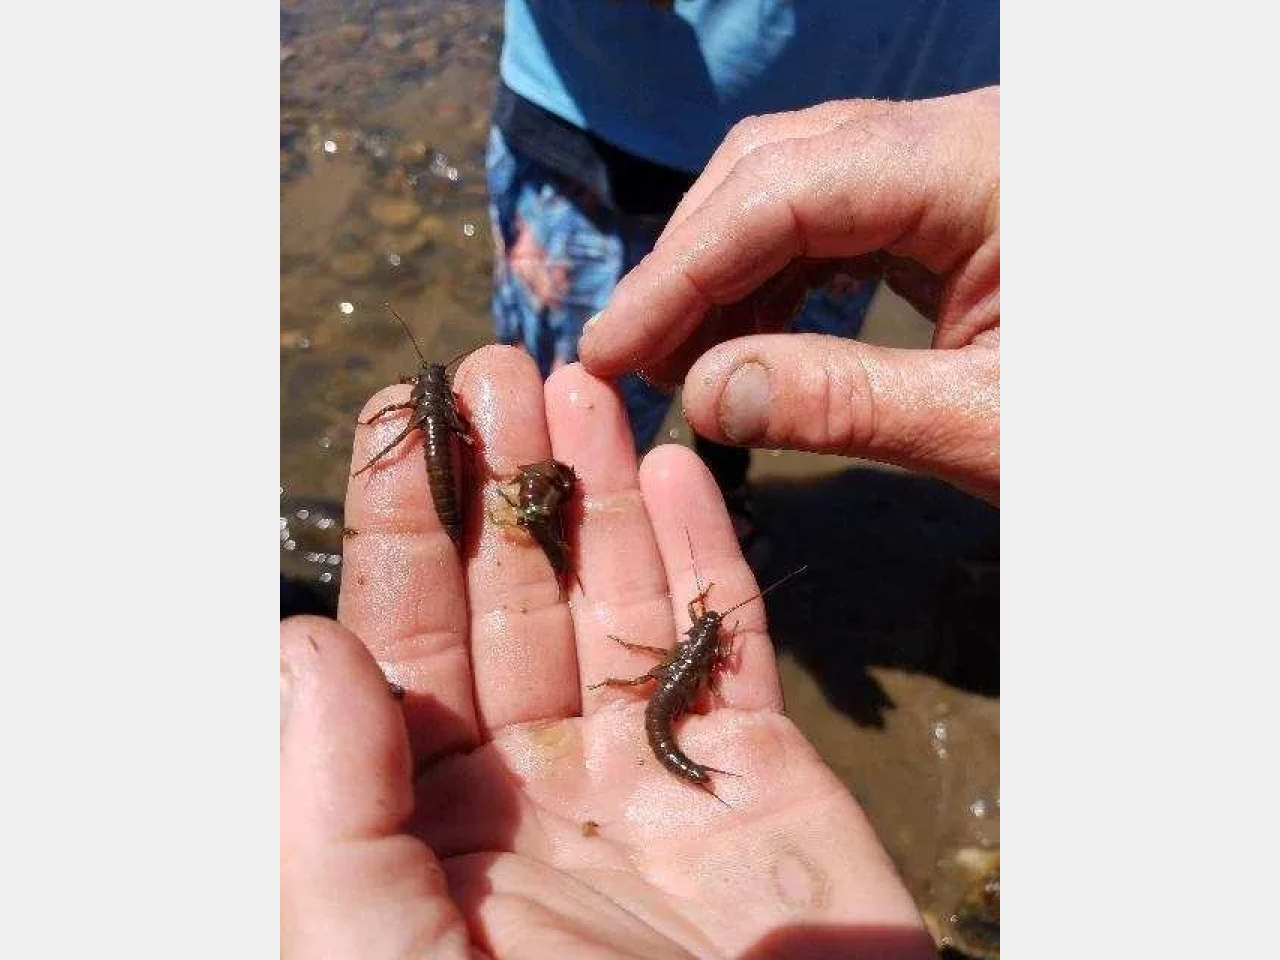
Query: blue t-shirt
[667, 85]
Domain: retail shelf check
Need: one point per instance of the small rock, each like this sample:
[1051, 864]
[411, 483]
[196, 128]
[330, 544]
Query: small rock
[352, 33]
[405, 244]
[449, 110]
[977, 861]
[412, 154]
[394, 213]
[391, 41]
[426, 50]
[432, 227]
[354, 266]
[397, 180]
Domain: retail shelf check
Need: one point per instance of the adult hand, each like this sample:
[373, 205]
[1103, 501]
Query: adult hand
[502, 806]
[907, 191]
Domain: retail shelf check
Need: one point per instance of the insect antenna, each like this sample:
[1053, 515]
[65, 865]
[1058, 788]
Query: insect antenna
[692, 562]
[707, 787]
[464, 354]
[772, 586]
[412, 338]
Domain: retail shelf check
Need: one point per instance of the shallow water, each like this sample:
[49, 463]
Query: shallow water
[383, 118]
[888, 648]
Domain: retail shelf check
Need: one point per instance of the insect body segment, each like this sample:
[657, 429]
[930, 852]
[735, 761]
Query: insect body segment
[435, 413]
[544, 489]
[685, 669]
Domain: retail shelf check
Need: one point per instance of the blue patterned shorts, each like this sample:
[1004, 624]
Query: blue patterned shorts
[560, 252]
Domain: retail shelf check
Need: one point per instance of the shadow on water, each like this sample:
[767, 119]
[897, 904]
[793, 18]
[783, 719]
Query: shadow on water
[903, 573]
[300, 597]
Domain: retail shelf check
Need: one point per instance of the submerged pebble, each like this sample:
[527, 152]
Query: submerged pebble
[413, 153]
[432, 227]
[394, 213]
[352, 33]
[426, 50]
[354, 266]
[402, 244]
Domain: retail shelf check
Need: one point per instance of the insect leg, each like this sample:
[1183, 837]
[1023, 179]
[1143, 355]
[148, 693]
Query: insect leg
[387, 409]
[400, 436]
[726, 652]
[701, 598]
[616, 682]
[455, 421]
[727, 773]
[643, 648]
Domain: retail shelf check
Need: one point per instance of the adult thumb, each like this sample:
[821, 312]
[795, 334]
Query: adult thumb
[934, 411]
[352, 883]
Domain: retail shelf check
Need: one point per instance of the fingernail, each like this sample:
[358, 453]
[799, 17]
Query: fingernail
[744, 405]
[592, 321]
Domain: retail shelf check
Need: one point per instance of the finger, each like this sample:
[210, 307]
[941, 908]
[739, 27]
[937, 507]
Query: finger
[522, 653]
[936, 411]
[402, 590]
[352, 884]
[879, 181]
[693, 530]
[624, 585]
[748, 135]
[770, 309]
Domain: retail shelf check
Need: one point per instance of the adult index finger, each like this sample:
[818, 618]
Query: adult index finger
[916, 180]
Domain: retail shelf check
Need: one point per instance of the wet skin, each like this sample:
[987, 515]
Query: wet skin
[453, 819]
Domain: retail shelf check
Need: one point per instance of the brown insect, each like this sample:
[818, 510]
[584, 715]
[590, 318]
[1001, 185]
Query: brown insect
[544, 489]
[685, 670]
[435, 412]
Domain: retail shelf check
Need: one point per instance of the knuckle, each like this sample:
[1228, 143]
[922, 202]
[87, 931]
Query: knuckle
[772, 161]
[872, 132]
[841, 414]
[768, 174]
[748, 135]
[850, 416]
[892, 130]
